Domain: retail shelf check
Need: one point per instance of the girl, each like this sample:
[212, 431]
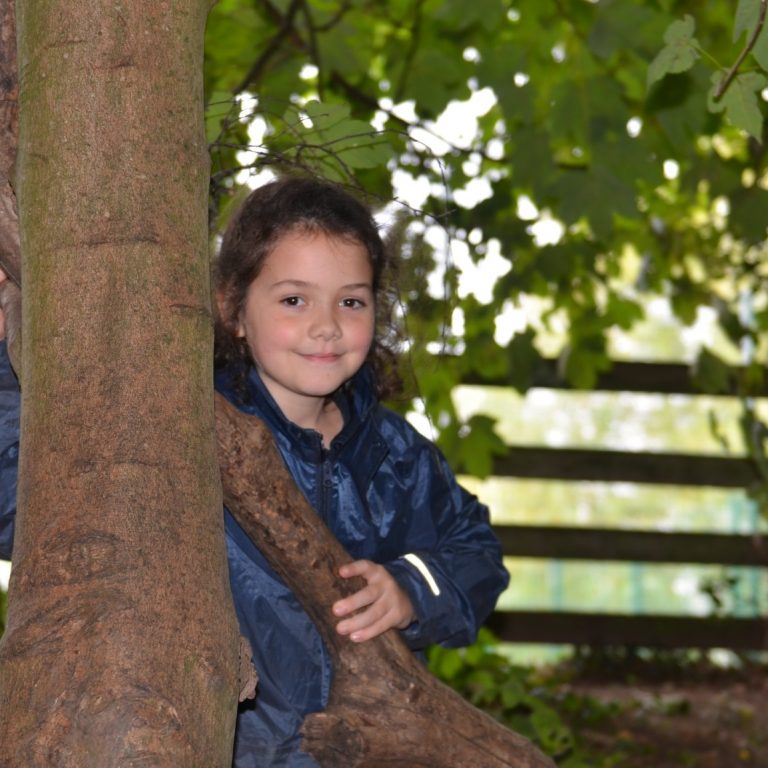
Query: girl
[300, 343]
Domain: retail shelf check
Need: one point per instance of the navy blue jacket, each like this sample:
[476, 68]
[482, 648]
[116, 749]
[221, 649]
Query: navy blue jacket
[9, 451]
[388, 496]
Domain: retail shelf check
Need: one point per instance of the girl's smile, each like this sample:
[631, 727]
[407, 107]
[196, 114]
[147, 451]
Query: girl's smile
[308, 319]
[318, 358]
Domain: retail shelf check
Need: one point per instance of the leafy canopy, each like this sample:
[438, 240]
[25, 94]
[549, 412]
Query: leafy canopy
[635, 127]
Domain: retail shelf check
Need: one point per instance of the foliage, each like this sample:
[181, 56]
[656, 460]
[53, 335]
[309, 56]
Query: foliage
[635, 126]
[572, 710]
[521, 698]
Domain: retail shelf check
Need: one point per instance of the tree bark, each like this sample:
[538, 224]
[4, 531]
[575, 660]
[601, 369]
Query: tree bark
[9, 129]
[10, 253]
[385, 708]
[121, 643]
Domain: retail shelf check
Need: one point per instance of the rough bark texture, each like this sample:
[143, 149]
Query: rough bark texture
[121, 644]
[10, 254]
[385, 708]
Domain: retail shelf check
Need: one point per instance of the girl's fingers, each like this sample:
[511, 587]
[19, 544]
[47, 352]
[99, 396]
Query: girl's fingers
[367, 624]
[360, 599]
[356, 568]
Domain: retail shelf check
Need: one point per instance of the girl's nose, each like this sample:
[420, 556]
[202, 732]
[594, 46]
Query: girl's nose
[324, 325]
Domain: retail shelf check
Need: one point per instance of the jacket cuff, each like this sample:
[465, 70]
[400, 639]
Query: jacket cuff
[414, 577]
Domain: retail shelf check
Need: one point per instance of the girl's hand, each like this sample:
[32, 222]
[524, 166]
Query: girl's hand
[384, 605]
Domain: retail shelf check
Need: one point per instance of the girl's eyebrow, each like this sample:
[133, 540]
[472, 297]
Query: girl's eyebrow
[291, 283]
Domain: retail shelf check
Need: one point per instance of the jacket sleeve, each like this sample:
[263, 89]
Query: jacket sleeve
[455, 572]
[9, 451]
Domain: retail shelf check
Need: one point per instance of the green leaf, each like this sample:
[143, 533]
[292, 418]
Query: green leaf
[583, 195]
[753, 379]
[677, 103]
[532, 162]
[577, 761]
[622, 312]
[513, 693]
[620, 27]
[436, 76]
[460, 14]
[583, 359]
[680, 52]
[523, 359]
[482, 685]
[711, 374]
[748, 214]
[685, 297]
[555, 737]
[741, 101]
[497, 69]
[445, 663]
[747, 14]
[760, 51]
[479, 445]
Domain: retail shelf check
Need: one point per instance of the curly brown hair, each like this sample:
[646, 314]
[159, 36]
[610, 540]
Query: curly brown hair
[305, 204]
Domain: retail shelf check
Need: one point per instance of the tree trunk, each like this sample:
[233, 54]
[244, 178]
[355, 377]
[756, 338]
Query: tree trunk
[385, 708]
[121, 645]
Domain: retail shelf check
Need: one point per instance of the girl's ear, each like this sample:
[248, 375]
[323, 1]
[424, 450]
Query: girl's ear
[225, 307]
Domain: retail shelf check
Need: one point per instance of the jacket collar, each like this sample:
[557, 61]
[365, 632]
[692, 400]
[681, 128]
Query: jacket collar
[356, 400]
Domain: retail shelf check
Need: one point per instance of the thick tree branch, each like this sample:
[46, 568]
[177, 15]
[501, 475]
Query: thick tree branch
[379, 687]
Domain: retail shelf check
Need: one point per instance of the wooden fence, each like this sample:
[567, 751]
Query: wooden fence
[571, 543]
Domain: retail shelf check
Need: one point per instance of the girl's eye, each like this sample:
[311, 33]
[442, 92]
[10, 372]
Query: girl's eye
[293, 301]
[352, 303]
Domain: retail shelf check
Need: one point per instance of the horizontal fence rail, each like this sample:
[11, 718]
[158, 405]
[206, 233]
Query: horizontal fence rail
[651, 378]
[577, 464]
[648, 631]
[564, 543]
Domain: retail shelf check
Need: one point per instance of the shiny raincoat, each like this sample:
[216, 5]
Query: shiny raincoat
[388, 496]
[9, 451]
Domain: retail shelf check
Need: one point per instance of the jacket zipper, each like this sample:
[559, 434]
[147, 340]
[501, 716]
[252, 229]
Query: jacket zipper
[326, 483]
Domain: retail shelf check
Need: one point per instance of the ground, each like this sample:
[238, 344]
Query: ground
[694, 717]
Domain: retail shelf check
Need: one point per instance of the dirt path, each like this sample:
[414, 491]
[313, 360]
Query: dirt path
[721, 722]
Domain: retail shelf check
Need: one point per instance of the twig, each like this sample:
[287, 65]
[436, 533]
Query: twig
[286, 29]
[730, 75]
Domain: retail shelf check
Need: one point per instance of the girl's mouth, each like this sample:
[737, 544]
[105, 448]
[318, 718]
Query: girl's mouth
[322, 357]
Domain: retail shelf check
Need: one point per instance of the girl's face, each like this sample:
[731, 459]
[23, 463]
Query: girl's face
[308, 318]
